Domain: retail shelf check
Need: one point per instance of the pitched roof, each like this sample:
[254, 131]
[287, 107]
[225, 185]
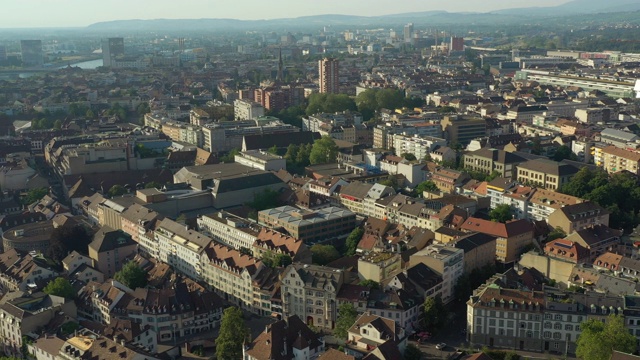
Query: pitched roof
[591, 236]
[279, 242]
[333, 354]
[473, 241]
[280, 338]
[509, 229]
[386, 327]
[622, 153]
[617, 355]
[477, 356]
[107, 239]
[582, 210]
[549, 167]
[355, 190]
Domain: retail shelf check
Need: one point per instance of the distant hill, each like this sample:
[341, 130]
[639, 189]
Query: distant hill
[506, 16]
[577, 7]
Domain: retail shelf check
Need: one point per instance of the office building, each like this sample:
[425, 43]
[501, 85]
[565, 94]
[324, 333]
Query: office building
[112, 48]
[328, 74]
[461, 130]
[310, 226]
[408, 32]
[31, 52]
[457, 44]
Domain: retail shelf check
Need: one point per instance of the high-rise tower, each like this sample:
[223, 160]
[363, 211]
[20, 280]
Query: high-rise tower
[32, 54]
[279, 75]
[328, 72]
[112, 48]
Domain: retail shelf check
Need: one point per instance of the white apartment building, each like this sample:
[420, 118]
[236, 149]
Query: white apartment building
[230, 273]
[181, 248]
[244, 109]
[229, 229]
[418, 146]
[447, 261]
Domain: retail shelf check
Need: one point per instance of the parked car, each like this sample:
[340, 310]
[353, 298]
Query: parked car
[441, 346]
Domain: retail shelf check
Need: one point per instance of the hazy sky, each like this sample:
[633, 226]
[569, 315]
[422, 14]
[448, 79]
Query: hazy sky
[71, 13]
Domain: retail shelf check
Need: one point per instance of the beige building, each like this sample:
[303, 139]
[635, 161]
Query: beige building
[487, 160]
[447, 261]
[580, 216]
[136, 218]
[110, 249]
[371, 331]
[230, 273]
[24, 313]
[545, 173]
[512, 238]
[479, 251]
[310, 291]
[461, 129]
[543, 202]
[379, 266]
[617, 159]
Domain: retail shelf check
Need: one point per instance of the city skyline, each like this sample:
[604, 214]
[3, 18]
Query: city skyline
[43, 13]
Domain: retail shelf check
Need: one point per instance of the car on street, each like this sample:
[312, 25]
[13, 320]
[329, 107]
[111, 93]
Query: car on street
[441, 346]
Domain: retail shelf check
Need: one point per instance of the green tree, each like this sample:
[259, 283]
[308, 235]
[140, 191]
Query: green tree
[232, 335]
[371, 101]
[324, 254]
[370, 284]
[598, 340]
[409, 156]
[329, 103]
[494, 174]
[426, 186]
[132, 276]
[90, 114]
[434, 314]
[352, 241]
[276, 260]
[412, 352]
[152, 185]
[117, 190]
[266, 199]
[447, 110]
[302, 158]
[502, 213]
[564, 152]
[324, 151]
[60, 287]
[536, 146]
[556, 233]
[230, 157]
[273, 150]
[35, 195]
[292, 153]
[143, 108]
[347, 315]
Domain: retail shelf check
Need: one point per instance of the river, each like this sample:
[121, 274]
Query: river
[87, 65]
